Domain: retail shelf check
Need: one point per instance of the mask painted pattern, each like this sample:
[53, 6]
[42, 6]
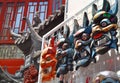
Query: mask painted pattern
[104, 27]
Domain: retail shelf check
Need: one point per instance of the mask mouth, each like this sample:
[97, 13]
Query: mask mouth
[83, 50]
[47, 70]
[84, 53]
[84, 59]
[97, 34]
[102, 44]
[103, 40]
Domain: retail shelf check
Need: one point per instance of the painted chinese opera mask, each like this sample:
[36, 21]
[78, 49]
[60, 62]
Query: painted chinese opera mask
[48, 62]
[106, 77]
[64, 54]
[84, 53]
[104, 27]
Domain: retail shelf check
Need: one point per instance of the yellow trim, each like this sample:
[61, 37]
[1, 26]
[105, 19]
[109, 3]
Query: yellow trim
[98, 14]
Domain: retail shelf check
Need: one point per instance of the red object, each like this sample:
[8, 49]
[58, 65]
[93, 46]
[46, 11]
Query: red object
[12, 64]
[87, 80]
[63, 1]
[31, 75]
[97, 35]
[49, 11]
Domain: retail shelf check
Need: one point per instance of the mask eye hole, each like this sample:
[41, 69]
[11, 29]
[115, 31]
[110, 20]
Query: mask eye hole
[85, 36]
[105, 22]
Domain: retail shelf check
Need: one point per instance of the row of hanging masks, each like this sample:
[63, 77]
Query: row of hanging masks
[95, 37]
[98, 36]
